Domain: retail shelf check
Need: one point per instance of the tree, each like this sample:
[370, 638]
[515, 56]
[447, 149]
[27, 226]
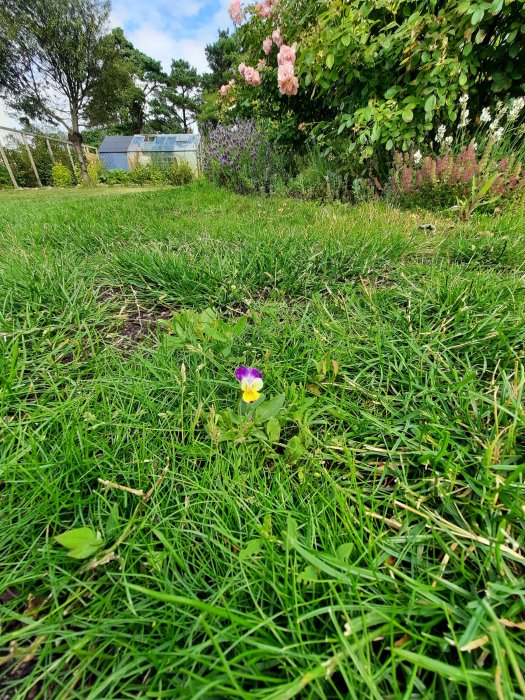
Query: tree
[222, 56]
[177, 103]
[119, 100]
[52, 60]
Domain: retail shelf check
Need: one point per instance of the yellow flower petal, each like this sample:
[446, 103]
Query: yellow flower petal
[250, 395]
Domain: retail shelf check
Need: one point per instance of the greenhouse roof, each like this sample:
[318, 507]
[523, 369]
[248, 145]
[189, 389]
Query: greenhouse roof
[164, 142]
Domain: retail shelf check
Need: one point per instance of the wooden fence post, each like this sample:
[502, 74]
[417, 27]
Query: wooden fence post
[70, 157]
[31, 160]
[7, 165]
[51, 154]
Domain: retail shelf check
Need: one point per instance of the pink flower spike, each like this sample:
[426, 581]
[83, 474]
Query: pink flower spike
[267, 45]
[224, 89]
[242, 68]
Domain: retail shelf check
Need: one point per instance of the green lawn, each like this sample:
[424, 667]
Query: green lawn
[361, 536]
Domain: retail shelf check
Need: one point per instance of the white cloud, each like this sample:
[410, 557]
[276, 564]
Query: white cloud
[168, 30]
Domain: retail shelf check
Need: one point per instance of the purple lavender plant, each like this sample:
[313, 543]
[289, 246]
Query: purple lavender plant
[240, 156]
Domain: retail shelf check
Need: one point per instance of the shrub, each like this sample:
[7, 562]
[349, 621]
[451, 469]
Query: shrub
[319, 179]
[94, 167]
[179, 173]
[61, 176]
[149, 173]
[114, 177]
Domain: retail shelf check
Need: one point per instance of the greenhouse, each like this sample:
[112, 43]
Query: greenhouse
[126, 152]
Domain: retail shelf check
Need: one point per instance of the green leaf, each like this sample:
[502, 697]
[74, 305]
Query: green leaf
[407, 115]
[79, 537]
[430, 104]
[389, 145]
[344, 551]
[270, 408]
[467, 50]
[330, 60]
[294, 449]
[240, 326]
[252, 548]
[84, 551]
[462, 80]
[477, 16]
[346, 39]
[273, 428]
[309, 575]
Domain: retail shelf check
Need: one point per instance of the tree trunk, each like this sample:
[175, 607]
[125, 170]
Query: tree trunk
[76, 139]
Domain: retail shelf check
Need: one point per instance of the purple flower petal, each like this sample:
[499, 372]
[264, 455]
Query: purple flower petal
[249, 373]
[241, 373]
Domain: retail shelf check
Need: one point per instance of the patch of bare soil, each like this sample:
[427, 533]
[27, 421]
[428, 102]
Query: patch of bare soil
[136, 321]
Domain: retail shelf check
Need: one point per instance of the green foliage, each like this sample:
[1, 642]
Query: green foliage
[61, 176]
[366, 544]
[375, 77]
[94, 168]
[82, 542]
[319, 179]
[178, 173]
[114, 177]
[222, 55]
[172, 173]
[175, 106]
[206, 332]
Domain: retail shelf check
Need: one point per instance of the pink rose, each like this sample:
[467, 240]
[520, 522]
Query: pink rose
[277, 38]
[235, 11]
[267, 45]
[252, 76]
[266, 9]
[288, 83]
[286, 54]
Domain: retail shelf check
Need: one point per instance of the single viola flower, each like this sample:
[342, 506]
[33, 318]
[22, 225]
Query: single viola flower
[251, 382]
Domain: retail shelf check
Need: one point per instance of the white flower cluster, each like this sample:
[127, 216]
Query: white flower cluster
[485, 115]
[517, 105]
[417, 157]
[440, 135]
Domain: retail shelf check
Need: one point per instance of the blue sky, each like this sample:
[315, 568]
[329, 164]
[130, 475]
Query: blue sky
[166, 29]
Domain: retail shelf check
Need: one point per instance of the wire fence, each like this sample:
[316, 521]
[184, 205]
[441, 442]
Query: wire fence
[27, 159]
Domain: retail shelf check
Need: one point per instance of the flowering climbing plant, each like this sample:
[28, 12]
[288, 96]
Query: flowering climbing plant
[266, 13]
[368, 77]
